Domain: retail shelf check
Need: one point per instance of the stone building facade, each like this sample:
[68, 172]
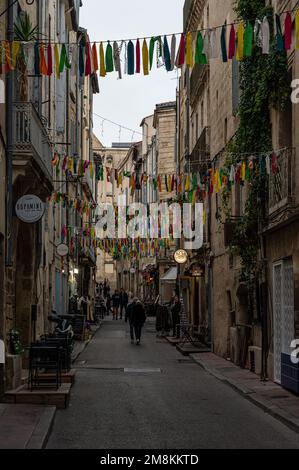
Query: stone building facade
[209, 97]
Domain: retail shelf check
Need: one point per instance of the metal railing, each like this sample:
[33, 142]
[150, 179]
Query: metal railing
[187, 9]
[282, 182]
[197, 79]
[31, 138]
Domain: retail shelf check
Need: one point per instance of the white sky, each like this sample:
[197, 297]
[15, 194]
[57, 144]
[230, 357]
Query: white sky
[129, 100]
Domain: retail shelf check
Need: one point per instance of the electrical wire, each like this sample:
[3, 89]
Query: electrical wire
[116, 124]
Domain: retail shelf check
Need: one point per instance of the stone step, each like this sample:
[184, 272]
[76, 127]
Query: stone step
[59, 398]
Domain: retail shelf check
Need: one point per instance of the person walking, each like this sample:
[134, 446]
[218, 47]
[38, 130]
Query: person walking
[108, 304]
[175, 313]
[138, 320]
[115, 304]
[83, 305]
[124, 300]
[129, 317]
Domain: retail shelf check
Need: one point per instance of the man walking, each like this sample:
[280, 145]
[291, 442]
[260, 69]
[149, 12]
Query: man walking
[129, 316]
[115, 304]
[138, 320]
[124, 299]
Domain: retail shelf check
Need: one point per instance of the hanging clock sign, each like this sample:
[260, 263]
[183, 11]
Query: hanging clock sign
[30, 209]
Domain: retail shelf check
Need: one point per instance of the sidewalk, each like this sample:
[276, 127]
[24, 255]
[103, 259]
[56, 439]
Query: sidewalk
[270, 397]
[25, 426]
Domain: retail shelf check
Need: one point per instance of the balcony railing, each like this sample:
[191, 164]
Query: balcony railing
[187, 9]
[197, 79]
[30, 138]
[200, 155]
[282, 183]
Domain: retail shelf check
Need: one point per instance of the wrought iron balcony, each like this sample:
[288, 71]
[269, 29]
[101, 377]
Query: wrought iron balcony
[187, 10]
[197, 80]
[88, 256]
[282, 183]
[31, 143]
[200, 155]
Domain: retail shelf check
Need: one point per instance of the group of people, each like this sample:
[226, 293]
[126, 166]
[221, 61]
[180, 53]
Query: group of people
[121, 304]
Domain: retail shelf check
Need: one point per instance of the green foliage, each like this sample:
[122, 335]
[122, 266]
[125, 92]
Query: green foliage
[264, 84]
[24, 29]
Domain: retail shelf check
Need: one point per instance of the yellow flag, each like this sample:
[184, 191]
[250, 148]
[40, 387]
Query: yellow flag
[189, 51]
[15, 50]
[145, 58]
[240, 36]
[187, 183]
[57, 61]
[102, 61]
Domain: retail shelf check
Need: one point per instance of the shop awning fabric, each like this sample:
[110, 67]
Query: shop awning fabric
[171, 275]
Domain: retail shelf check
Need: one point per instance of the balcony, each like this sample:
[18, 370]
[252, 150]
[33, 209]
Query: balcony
[31, 143]
[197, 80]
[200, 155]
[88, 185]
[88, 257]
[282, 183]
[187, 10]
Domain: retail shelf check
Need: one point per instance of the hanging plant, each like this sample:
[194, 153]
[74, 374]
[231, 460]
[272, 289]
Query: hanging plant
[264, 84]
[24, 32]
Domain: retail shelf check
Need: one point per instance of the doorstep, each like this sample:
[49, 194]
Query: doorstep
[189, 348]
[25, 426]
[269, 396]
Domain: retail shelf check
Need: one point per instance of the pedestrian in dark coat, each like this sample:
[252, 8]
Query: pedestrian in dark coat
[175, 313]
[138, 320]
[124, 300]
[129, 317]
[115, 304]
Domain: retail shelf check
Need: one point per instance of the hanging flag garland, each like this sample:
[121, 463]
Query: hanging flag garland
[193, 48]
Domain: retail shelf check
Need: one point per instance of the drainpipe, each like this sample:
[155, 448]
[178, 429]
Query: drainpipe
[9, 146]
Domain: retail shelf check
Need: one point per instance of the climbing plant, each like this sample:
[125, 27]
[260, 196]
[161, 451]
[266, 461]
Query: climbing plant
[264, 84]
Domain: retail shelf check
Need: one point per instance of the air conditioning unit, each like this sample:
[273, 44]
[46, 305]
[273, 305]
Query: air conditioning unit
[289, 374]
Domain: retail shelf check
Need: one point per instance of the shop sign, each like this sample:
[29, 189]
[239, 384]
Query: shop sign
[30, 209]
[62, 250]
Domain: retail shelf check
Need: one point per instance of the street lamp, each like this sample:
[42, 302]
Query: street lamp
[181, 258]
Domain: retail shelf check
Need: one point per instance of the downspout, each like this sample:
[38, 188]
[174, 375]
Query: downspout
[9, 145]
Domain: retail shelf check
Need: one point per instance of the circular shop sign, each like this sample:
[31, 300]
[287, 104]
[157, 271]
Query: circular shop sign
[62, 250]
[30, 209]
[181, 256]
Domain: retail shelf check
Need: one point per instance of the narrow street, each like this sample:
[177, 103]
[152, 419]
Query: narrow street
[147, 397]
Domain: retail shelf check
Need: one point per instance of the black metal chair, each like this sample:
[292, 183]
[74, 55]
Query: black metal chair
[44, 359]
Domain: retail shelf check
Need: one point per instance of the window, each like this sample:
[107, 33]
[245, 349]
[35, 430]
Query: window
[225, 131]
[197, 127]
[202, 114]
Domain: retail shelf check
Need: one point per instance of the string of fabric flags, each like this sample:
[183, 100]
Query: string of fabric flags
[139, 248]
[197, 185]
[194, 186]
[135, 56]
[83, 207]
[72, 165]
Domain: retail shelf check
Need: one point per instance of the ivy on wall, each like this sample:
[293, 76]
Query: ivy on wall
[264, 84]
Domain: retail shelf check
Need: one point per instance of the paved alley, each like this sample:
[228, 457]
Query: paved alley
[151, 397]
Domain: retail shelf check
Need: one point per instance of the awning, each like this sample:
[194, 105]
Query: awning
[171, 275]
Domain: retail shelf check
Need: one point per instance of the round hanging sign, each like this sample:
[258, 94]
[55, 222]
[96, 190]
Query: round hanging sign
[30, 209]
[181, 256]
[62, 250]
